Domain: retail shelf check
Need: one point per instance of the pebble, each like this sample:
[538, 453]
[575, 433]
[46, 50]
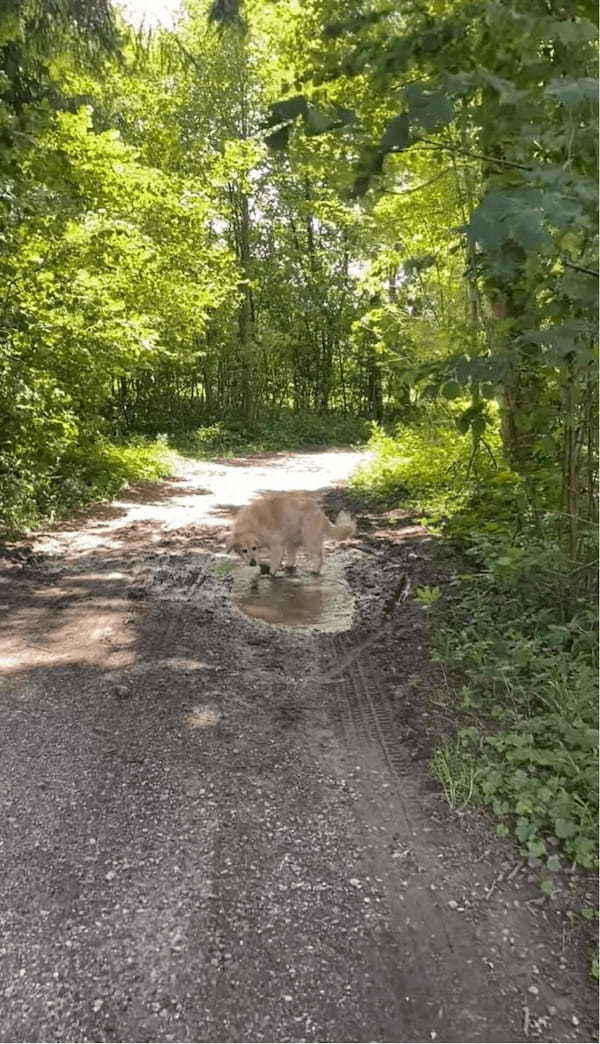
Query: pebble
[574, 1020]
[452, 903]
[122, 691]
[533, 990]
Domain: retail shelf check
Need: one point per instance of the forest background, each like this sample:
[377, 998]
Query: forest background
[282, 224]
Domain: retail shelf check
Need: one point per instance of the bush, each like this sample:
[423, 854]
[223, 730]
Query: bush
[281, 431]
[530, 684]
[97, 469]
[433, 465]
[519, 636]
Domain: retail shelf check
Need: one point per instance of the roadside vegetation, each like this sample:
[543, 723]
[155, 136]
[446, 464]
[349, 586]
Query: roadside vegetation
[282, 225]
[515, 634]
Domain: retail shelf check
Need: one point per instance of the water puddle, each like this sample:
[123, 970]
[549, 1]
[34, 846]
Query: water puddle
[300, 601]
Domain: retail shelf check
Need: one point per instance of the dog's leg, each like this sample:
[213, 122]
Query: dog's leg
[276, 551]
[315, 551]
[290, 558]
[317, 562]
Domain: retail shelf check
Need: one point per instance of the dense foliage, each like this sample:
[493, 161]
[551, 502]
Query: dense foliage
[362, 211]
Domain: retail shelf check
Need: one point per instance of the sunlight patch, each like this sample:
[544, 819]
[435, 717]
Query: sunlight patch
[202, 718]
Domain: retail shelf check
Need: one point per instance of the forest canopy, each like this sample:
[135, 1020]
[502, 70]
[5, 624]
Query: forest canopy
[321, 207]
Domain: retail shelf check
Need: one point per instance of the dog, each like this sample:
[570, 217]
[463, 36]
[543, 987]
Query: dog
[284, 522]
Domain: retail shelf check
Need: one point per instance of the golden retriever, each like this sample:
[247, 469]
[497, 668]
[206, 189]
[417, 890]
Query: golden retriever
[284, 522]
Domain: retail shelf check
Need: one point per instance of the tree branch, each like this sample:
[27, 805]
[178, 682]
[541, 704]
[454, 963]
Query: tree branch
[580, 268]
[417, 188]
[474, 155]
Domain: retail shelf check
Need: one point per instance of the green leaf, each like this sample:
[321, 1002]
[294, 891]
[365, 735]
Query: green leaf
[451, 390]
[571, 31]
[508, 94]
[572, 92]
[536, 848]
[564, 828]
[524, 830]
[430, 108]
[396, 135]
[279, 139]
[317, 121]
[288, 109]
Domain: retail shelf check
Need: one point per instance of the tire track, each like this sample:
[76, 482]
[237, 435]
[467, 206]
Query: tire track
[393, 807]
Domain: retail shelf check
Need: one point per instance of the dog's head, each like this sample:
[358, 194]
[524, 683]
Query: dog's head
[246, 545]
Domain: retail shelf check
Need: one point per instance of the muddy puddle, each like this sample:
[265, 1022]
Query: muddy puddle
[300, 601]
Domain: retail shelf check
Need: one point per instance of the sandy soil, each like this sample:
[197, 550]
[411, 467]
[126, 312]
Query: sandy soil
[215, 829]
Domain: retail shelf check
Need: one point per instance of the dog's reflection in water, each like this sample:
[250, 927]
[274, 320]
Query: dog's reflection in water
[284, 600]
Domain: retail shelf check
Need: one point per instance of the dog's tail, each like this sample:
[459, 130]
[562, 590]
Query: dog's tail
[343, 527]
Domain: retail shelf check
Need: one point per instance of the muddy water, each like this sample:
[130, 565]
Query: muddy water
[300, 601]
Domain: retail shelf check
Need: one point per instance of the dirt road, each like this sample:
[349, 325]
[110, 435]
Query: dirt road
[215, 829]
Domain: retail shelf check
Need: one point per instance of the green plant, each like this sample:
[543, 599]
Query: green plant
[90, 470]
[457, 772]
[427, 597]
[280, 430]
[530, 681]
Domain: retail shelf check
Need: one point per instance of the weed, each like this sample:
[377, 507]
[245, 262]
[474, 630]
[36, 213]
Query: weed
[427, 596]
[223, 567]
[457, 774]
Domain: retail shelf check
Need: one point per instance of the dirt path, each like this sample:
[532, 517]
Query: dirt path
[219, 830]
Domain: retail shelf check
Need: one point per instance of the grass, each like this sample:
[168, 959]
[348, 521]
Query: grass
[519, 645]
[456, 773]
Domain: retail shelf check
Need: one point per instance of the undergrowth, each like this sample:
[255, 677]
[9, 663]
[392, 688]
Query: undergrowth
[91, 471]
[516, 635]
[282, 431]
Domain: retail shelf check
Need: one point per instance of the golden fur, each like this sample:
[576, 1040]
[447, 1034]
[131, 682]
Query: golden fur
[282, 523]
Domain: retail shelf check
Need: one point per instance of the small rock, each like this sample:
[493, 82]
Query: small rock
[552, 1010]
[122, 691]
[453, 904]
[355, 882]
[110, 876]
[533, 990]
[574, 1020]
[97, 1004]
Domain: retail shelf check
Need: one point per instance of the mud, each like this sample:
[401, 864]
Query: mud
[218, 829]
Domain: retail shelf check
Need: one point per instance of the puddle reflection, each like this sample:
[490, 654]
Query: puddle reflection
[300, 601]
